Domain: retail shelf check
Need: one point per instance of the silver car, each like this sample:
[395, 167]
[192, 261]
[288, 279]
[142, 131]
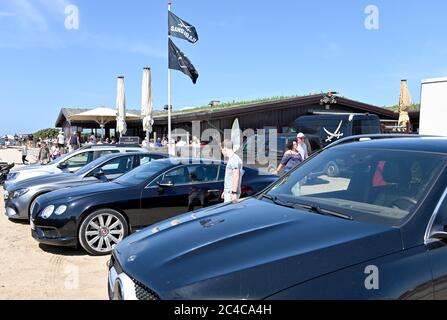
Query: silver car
[70, 162]
[19, 196]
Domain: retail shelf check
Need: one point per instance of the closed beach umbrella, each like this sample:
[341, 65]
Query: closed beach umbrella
[146, 102]
[404, 104]
[121, 107]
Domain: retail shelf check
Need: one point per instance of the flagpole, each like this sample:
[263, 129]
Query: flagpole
[170, 151]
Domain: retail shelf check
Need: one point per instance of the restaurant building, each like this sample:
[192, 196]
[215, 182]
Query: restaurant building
[278, 114]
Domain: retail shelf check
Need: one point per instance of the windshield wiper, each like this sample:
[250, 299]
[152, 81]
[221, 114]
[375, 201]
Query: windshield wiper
[275, 200]
[323, 212]
[316, 209]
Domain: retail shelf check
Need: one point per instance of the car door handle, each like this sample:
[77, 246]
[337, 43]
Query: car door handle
[214, 190]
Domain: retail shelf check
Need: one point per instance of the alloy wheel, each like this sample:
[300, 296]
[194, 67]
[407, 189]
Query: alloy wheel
[104, 231]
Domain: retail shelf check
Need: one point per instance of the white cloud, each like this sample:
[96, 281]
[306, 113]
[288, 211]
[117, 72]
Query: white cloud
[35, 15]
[41, 25]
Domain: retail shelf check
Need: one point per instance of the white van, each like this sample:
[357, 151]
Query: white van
[433, 107]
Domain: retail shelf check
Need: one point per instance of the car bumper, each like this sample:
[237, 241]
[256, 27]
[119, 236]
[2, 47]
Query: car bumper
[54, 233]
[17, 209]
[51, 237]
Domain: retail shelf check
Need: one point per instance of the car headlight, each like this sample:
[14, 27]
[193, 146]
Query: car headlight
[60, 210]
[18, 193]
[47, 212]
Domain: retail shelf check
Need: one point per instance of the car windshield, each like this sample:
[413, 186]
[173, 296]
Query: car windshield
[374, 185]
[85, 169]
[143, 173]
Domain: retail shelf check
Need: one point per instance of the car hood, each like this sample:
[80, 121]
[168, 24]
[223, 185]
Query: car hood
[82, 191]
[33, 167]
[248, 250]
[47, 179]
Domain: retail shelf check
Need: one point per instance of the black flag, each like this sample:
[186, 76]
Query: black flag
[178, 61]
[181, 29]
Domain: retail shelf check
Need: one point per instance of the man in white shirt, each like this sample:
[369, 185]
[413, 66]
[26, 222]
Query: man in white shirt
[61, 142]
[302, 147]
[233, 173]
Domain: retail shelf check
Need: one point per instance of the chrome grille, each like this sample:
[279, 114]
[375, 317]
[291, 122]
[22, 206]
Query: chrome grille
[144, 293]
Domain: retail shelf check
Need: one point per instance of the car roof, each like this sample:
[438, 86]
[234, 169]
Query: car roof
[185, 161]
[118, 155]
[417, 143]
[111, 146]
[192, 161]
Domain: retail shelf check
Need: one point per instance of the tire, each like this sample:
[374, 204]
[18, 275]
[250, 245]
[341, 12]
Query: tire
[332, 170]
[100, 242]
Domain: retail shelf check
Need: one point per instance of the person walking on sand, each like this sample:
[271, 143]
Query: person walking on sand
[61, 142]
[44, 154]
[75, 142]
[25, 152]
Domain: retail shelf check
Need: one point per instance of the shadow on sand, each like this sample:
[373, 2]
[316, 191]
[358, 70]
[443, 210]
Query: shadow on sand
[63, 251]
[21, 222]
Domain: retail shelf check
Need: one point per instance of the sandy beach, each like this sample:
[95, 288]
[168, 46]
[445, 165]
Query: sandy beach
[31, 271]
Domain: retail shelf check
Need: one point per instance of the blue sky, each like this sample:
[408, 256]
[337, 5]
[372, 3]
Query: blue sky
[248, 49]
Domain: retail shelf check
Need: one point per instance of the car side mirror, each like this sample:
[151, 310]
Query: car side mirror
[99, 175]
[62, 165]
[166, 183]
[439, 235]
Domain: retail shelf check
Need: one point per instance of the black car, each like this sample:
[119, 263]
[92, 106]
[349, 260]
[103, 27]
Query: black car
[379, 232]
[100, 216]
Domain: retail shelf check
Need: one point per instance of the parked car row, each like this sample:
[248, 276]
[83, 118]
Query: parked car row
[124, 190]
[70, 162]
[375, 230]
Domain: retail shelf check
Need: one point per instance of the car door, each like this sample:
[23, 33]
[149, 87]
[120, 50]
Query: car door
[192, 187]
[162, 202]
[206, 185]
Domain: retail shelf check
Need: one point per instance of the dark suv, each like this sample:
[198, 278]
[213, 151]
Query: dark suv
[377, 233]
